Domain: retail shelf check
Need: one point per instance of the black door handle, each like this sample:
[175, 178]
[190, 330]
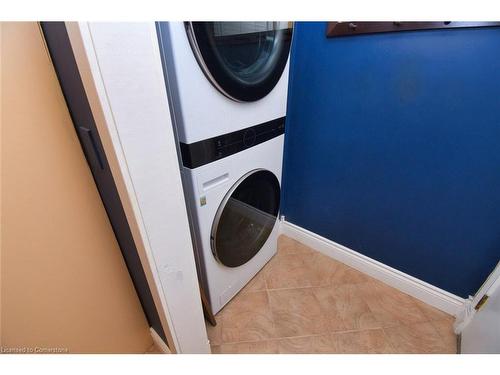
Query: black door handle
[90, 146]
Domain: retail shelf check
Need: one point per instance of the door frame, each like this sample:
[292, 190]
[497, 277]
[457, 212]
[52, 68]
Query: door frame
[144, 163]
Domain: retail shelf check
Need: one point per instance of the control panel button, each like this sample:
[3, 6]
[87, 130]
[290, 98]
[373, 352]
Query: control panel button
[249, 137]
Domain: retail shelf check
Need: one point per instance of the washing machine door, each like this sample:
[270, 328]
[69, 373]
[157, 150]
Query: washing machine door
[243, 60]
[245, 218]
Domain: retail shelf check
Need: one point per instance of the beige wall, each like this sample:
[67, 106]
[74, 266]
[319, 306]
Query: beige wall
[63, 279]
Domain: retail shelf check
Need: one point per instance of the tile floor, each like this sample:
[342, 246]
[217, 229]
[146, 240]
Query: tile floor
[305, 302]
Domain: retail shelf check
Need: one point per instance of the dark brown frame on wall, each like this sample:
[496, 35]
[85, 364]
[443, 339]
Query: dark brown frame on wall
[338, 29]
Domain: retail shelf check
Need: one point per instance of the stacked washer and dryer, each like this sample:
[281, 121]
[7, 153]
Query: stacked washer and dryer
[227, 84]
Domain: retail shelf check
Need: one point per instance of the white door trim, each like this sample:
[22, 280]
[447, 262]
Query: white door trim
[488, 288]
[419, 289]
[121, 71]
[158, 341]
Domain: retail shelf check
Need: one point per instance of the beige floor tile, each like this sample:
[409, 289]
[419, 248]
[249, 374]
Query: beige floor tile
[347, 275]
[258, 283]
[323, 270]
[297, 312]
[306, 345]
[432, 313]
[257, 347]
[301, 295]
[390, 306]
[445, 329]
[300, 248]
[361, 342]
[301, 270]
[289, 271]
[332, 308]
[287, 246]
[214, 333]
[345, 308]
[418, 338]
[246, 318]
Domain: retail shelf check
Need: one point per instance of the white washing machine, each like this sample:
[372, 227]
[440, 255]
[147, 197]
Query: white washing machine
[234, 205]
[227, 85]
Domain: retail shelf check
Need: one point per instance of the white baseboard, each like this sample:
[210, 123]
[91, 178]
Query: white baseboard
[159, 342]
[419, 289]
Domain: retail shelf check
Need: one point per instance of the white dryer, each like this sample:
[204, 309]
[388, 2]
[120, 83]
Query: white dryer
[234, 205]
[224, 76]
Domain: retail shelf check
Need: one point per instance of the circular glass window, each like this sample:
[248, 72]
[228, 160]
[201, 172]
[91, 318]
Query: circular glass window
[244, 60]
[246, 218]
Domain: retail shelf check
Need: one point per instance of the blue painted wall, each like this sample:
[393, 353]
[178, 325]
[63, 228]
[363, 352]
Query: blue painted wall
[392, 148]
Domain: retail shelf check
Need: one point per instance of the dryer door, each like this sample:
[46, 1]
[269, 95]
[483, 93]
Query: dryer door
[243, 60]
[245, 218]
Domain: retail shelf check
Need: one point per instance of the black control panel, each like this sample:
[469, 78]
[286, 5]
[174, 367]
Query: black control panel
[203, 152]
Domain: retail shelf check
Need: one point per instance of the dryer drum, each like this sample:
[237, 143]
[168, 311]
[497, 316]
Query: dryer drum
[245, 218]
[243, 60]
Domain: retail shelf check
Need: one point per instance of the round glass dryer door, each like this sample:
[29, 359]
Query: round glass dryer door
[243, 60]
[245, 218]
